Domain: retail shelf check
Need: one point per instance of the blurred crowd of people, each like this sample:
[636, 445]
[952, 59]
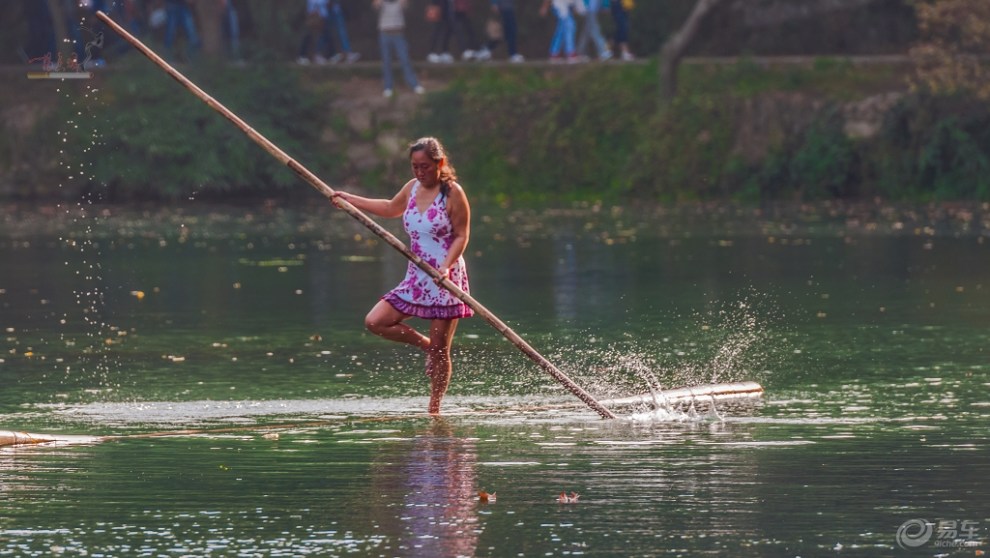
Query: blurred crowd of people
[171, 19]
[453, 19]
[323, 32]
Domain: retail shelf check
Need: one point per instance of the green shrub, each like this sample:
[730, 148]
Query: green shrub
[156, 140]
[933, 148]
[824, 164]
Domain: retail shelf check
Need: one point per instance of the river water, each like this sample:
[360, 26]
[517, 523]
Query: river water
[292, 432]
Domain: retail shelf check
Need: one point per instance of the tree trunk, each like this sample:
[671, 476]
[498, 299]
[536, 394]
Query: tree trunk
[673, 50]
[210, 15]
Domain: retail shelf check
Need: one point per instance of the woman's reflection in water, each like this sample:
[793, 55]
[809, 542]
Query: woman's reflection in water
[432, 493]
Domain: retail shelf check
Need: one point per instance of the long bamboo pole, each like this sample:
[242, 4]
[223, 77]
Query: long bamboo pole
[354, 212]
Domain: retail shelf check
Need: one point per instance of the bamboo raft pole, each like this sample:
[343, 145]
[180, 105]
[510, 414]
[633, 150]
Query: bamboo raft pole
[712, 394]
[357, 214]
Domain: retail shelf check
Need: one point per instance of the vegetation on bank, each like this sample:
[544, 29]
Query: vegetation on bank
[156, 140]
[742, 132]
[739, 132]
[831, 130]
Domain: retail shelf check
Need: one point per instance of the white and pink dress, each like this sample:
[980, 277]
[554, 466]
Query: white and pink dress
[430, 235]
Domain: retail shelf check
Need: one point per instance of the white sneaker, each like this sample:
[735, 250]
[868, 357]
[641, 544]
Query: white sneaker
[336, 58]
[517, 58]
[419, 89]
[446, 58]
[387, 93]
[302, 61]
[482, 55]
[352, 57]
[433, 58]
[467, 55]
[607, 55]
[628, 56]
[320, 60]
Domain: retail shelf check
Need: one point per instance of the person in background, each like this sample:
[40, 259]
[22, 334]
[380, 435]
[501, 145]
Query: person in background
[507, 9]
[436, 215]
[563, 35]
[451, 18]
[441, 14]
[336, 21]
[593, 31]
[465, 33]
[392, 36]
[179, 13]
[232, 28]
[314, 37]
[620, 14]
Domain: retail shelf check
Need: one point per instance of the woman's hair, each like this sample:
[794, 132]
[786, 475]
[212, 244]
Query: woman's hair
[436, 152]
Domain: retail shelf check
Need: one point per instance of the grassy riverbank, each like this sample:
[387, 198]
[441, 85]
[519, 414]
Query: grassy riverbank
[746, 131]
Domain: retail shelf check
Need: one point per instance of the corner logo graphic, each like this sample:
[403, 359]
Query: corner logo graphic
[914, 533]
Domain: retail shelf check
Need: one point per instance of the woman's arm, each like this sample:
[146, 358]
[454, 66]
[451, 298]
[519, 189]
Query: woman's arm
[460, 218]
[380, 207]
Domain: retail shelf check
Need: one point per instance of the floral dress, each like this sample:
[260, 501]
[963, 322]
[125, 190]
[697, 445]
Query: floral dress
[430, 233]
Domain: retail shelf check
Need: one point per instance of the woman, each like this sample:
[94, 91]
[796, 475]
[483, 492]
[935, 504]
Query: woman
[437, 217]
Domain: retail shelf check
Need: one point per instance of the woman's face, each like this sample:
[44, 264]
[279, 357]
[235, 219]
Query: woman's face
[426, 170]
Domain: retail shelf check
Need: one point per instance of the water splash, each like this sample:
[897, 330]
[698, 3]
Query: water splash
[88, 332]
[731, 342]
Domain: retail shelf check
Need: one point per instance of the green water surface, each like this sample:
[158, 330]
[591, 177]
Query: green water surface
[869, 332]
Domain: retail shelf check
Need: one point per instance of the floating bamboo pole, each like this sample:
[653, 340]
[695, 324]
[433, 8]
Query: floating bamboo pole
[709, 394]
[701, 396]
[10, 438]
[354, 212]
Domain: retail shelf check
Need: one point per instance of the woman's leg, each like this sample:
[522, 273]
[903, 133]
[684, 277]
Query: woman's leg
[189, 24]
[584, 35]
[439, 367]
[385, 42]
[568, 23]
[402, 53]
[595, 31]
[557, 41]
[385, 321]
[337, 16]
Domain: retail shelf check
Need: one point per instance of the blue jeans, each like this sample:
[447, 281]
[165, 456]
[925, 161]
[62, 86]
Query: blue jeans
[395, 40]
[180, 14]
[592, 30]
[621, 18]
[509, 29]
[337, 19]
[233, 29]
[563, 36]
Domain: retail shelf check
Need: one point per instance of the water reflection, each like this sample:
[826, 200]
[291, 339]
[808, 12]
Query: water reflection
[437, 515]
